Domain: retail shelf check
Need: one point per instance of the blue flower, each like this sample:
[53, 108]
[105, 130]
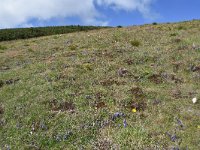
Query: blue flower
[125, 123]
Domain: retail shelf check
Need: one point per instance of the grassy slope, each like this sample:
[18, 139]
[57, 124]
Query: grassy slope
[60, 92]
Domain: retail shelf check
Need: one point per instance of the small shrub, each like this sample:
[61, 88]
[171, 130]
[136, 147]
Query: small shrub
[154, 23]
[135, 43]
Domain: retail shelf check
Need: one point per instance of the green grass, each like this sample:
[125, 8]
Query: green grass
[63, 92]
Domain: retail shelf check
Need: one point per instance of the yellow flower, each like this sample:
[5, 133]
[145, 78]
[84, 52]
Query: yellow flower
[198, 126]
[134, 110]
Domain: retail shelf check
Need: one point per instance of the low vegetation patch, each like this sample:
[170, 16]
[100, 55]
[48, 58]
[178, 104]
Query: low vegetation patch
[135, 43]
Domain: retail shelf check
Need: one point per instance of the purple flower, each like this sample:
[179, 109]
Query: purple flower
[180, 123]
[125, 123]
[117, 115]
[173, 138]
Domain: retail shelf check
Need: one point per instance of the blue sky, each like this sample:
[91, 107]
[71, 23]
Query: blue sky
[30, 13]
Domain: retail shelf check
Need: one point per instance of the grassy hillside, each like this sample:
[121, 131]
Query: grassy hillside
[115, 88]
[25, 33]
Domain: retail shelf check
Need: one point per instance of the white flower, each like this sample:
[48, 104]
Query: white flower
[194, 100]
[193, 46]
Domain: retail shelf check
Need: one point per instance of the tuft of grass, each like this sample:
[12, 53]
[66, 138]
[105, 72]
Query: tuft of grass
[135, 43]
[73, 47]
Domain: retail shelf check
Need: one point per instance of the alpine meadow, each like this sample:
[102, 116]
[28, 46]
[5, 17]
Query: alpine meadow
[135, 87]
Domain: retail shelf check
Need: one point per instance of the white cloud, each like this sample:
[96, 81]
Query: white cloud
[143, 6]
[19, 12]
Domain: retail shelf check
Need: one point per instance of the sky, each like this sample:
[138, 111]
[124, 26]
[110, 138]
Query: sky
[33, 13]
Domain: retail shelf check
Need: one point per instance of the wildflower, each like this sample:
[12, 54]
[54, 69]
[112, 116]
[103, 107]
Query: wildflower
[134, 110]
[180, 123]
[172, 137]
[198, 126]
[194, 100]
[125, 123]
[193, 46]
[117, 115]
